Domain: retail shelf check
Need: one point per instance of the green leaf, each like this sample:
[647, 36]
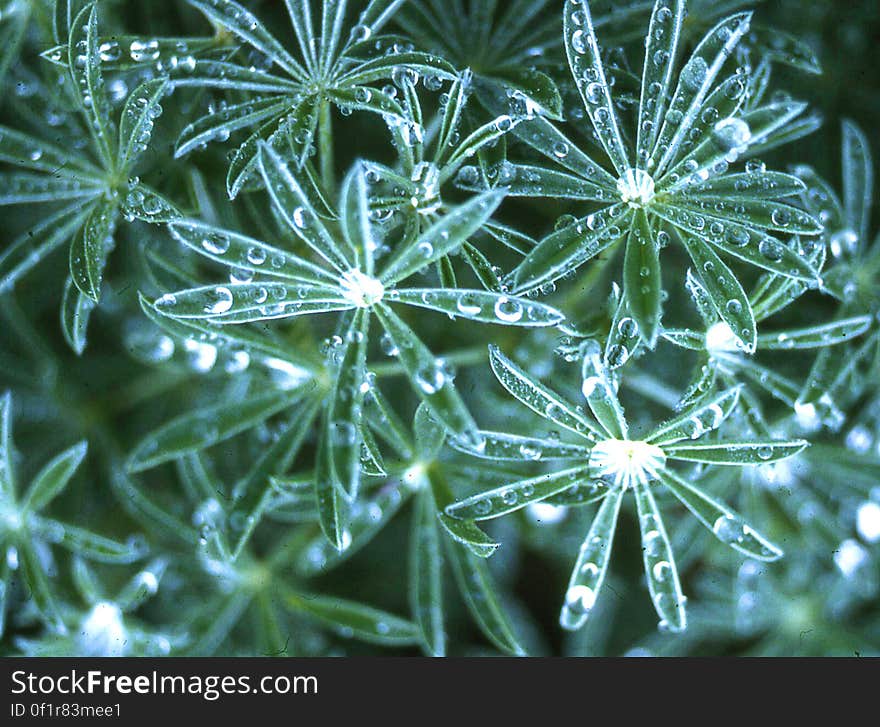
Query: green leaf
[735, 453]
[37, 243]
[346, 405]
[7, 473]
[540, 398]
[724, 291]
[85, 66]
[564, 250]
[479, 305]
[660, 569]
[28, 152]
[426, 576]
[219, 125]
[383, 67]
[545, 138]
[601, 394]
[367, 518]
[430, 380]
[88, 251]
[503, 446]
[240, 251]
[139, 115]
[295, 209]
[207, 73]
[782, 47]
[538, 88]
[429, 434]
[704, 416]
[752, 246]
[354, 620]
[858, 179]
[334, 508]
[76, 310]
[39, 588]
[203, 428]
[246, 302]
[30, 188]
[724, 523]
[512, 497]
[694, 84]
[147, 205]
[253, 493]
[53, 478]
[642, 279]
[591, 566]
[826, 334]
[661, 49]
[525, 180]
[758, 213]
[85, 543]
[480, 595]
[442, 238]
[749, 186]
[241, 22]
[586, 65]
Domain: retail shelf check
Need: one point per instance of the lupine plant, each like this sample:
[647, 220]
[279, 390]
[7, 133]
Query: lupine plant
[408, 297]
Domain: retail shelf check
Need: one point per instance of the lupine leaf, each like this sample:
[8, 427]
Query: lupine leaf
[354, 620]
[735, 453]
[660, 569]
[478, 590]
[725, 524]
[426, 372]
[592, 562]
[205, 427]
[53, 478]
[425, 576]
